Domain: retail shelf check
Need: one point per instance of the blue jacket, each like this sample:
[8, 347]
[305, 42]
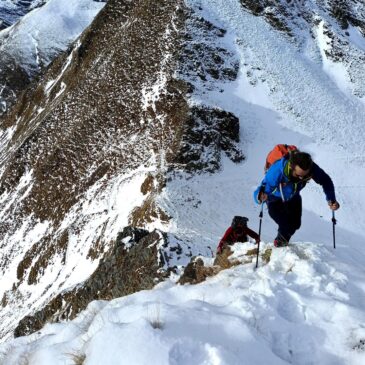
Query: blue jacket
[278, 174]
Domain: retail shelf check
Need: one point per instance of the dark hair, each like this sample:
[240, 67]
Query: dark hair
[301, 159]
[239, 221]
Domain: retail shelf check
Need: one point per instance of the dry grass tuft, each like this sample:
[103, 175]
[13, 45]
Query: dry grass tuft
[195, 272]
[252, 252]
[222, 260]
[154, 317]
[266, 255]
[77, 358]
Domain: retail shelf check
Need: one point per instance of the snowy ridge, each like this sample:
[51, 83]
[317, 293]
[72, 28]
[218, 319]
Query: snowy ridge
[11, 11]
[38, 41]
[28, 46]
[306, 305]
[300, 308]
[295, 79]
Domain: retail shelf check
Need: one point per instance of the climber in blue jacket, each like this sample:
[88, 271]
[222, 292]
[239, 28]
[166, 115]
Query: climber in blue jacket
[281, 187]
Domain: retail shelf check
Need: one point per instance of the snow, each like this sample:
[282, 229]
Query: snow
[356, 38]
[7, 4]
[34, 42]
[306, 306]
[277, 314]
[335, 70]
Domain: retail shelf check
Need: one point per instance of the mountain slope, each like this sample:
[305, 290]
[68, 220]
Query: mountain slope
[66, 147]
[11, 11]
[272, 88]
[278, 314]
[31, 44]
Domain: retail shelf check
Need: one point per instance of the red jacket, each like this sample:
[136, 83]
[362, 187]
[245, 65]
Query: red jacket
[231, 237]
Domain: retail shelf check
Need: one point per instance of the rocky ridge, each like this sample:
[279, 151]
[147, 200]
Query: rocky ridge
[121, 114]
[129, 266]
[108, 115]
[29, 44]
[11, 12]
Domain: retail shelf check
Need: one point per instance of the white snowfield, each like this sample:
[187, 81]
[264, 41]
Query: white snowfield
[44, 32]
[301, 308]
[306, 306]
[12, 4]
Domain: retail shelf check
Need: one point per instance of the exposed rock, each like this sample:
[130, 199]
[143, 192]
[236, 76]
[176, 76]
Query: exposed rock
[360, 346]
[343, 12]
[147, 185]
[132, 265]
[286, 15]
[204, 57]
[275, 12]
[14, 79]
[208, 132]
[195, 272]
[148, 212]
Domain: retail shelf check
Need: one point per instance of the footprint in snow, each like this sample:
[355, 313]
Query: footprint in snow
[296, 348]
[289, 307]
[189, 353]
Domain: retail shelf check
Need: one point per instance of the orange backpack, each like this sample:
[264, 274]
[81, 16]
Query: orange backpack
[278, 152]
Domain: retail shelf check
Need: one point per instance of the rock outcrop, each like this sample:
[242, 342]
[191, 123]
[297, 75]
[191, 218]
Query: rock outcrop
[131, 265]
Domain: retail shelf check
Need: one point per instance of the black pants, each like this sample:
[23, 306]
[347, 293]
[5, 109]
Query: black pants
[287, 215]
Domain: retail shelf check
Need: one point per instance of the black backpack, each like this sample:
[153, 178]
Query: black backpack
[239, 221]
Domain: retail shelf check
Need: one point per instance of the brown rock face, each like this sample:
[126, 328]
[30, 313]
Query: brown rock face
[81, 136]
[208, 132]
[121, 272]
[88, 115]
[112, 109]
[92, 119]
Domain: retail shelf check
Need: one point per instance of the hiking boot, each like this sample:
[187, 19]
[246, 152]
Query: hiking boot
[279, 242]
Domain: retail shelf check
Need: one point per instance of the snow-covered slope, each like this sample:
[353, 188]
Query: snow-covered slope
[37, 41]
[11, 11]
[305, 305]
[28, 46]
[280, 96]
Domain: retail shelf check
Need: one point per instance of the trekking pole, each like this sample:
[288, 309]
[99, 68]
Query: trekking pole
[258, 245]
[333, 228]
